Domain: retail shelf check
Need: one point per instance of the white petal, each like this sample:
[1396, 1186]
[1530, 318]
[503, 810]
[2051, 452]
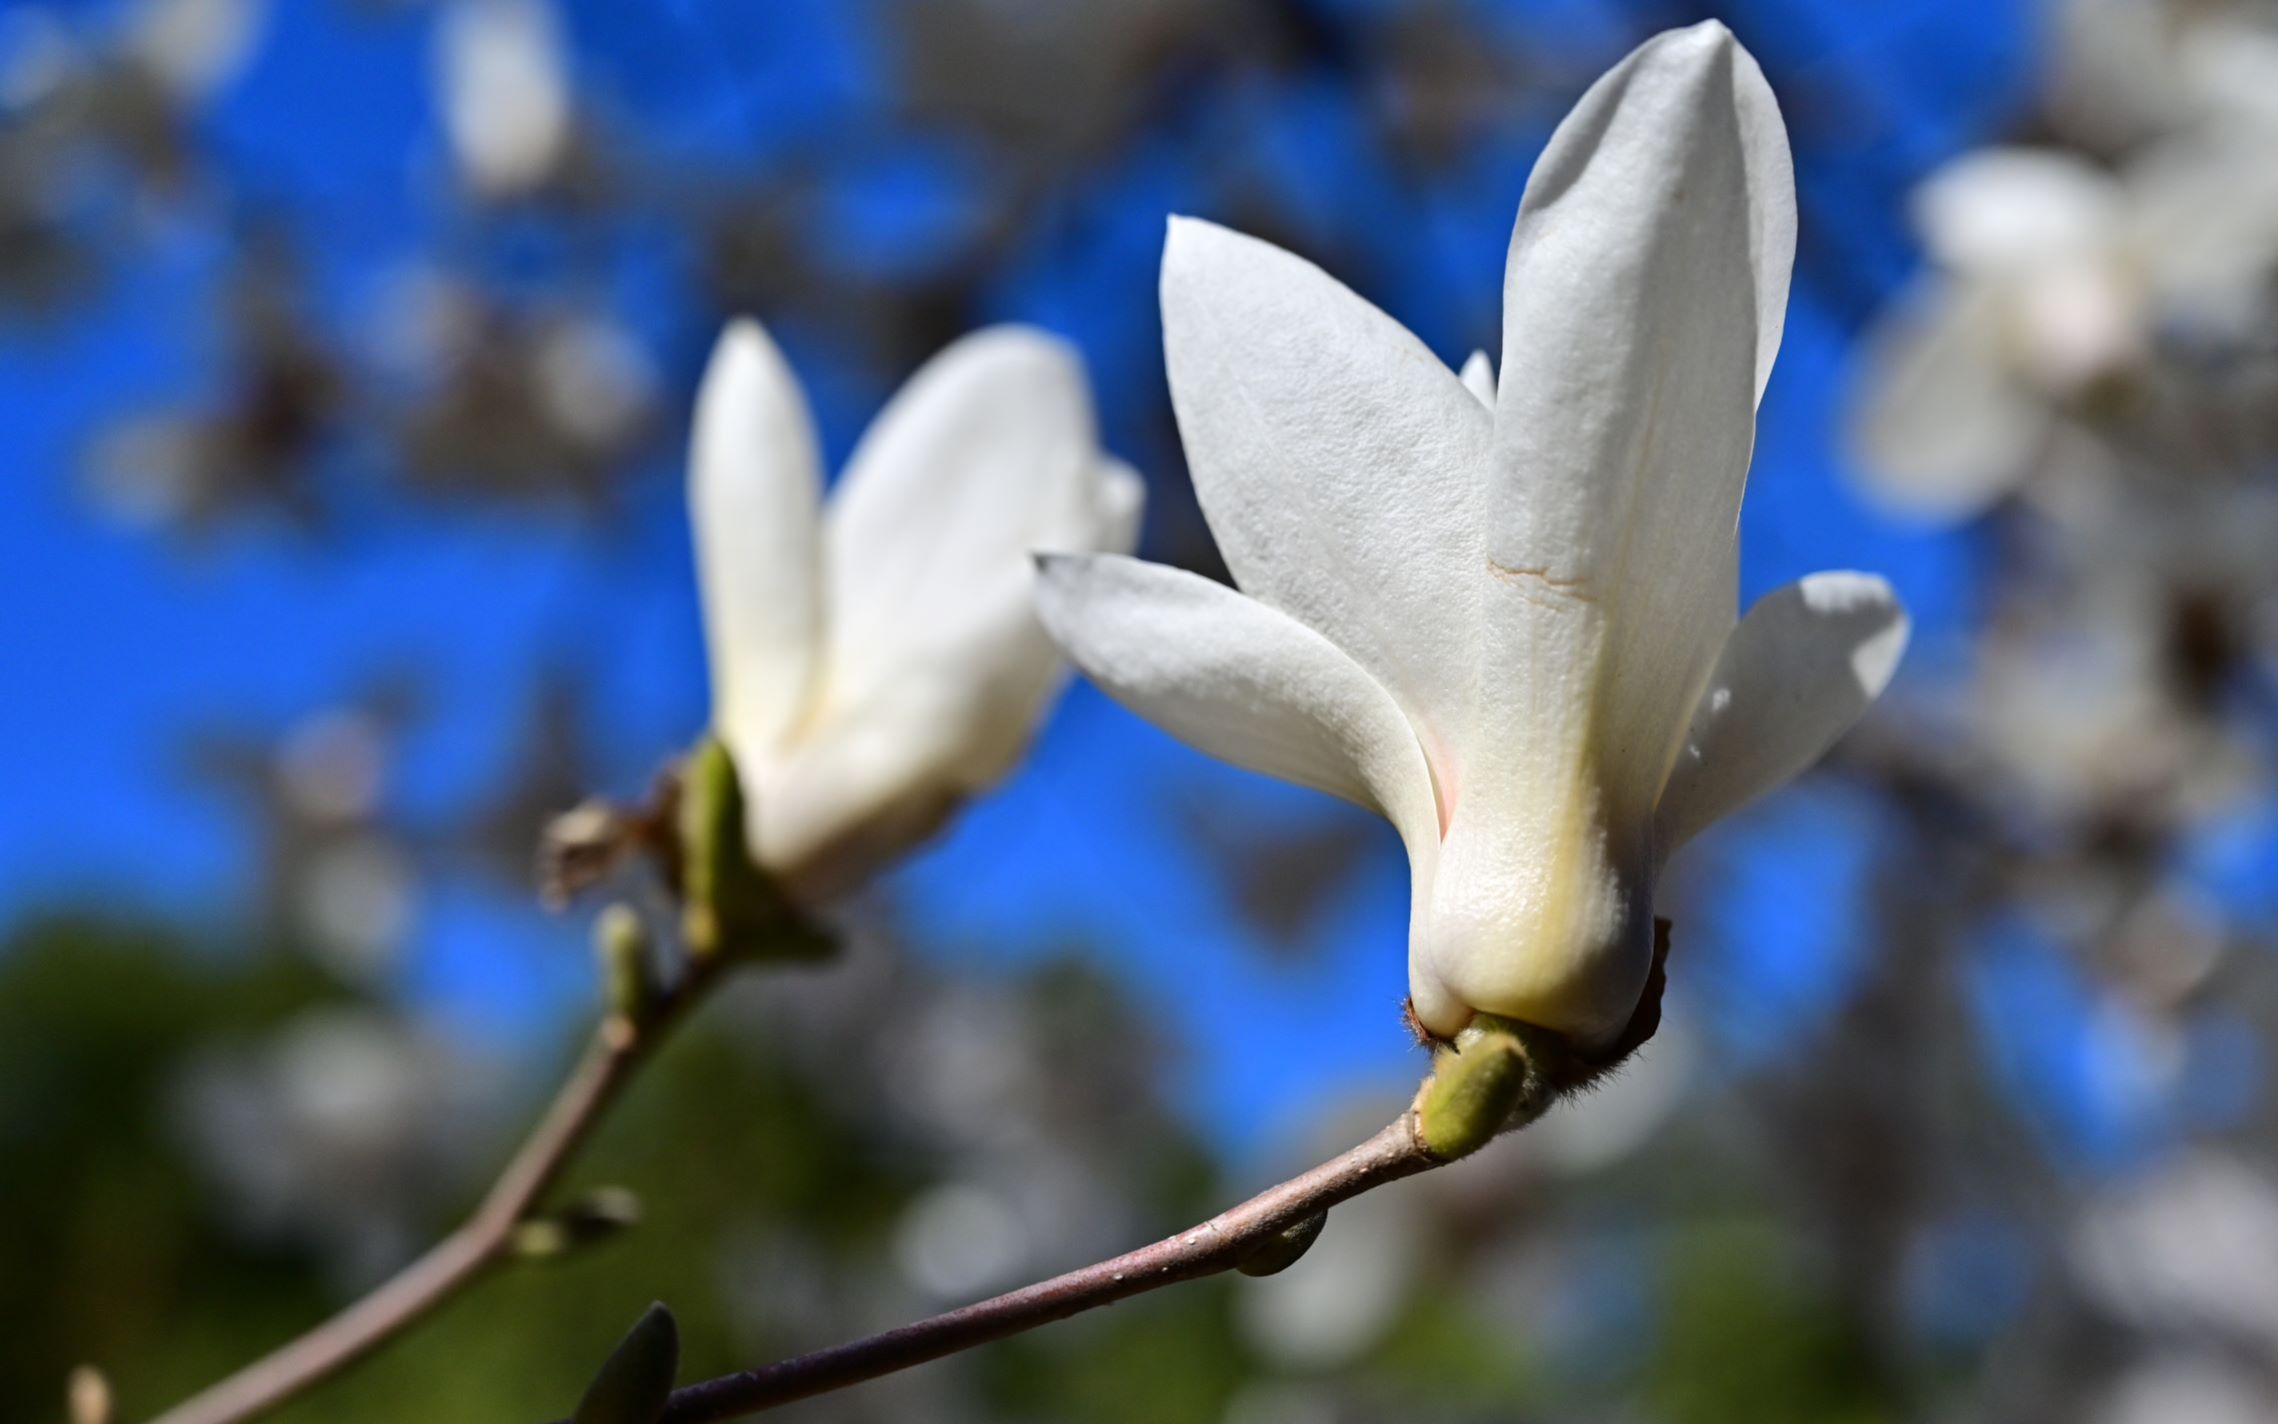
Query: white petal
[1478, 376]
[2000, 210]
[1798, 671]
[1941, 428]
[1643, 304]
[752, 491]
[1339, 464]
[1120, 502]
[1240, 681]
[871, 780]
[987, 453]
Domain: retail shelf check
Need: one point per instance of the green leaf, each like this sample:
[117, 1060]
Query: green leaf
[636, 1380]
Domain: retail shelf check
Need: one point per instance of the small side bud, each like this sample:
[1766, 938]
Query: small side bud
[1489, 1079]
[1280, 1251]
[728, 906]
[89, 1396]
[635, 1382]
[595, 1217]
[579, 848]
[628, 982]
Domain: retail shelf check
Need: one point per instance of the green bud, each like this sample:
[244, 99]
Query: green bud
[597, 1216]
[728, 905]
[1281, 1250]
[1488, 1080]
[635, 1382]
[621, 943]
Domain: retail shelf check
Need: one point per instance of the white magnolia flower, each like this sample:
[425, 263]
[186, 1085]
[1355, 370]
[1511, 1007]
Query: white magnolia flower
[1505, 618]
[2049, 276]
[875, 662]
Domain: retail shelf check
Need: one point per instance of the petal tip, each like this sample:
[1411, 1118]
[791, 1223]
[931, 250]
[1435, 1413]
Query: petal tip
[1844, 593]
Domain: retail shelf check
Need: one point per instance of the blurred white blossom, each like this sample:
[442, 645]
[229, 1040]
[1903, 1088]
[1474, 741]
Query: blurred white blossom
[876, 662]
[343, 1132]
[194, 47]
[2188, 1249]
[502, 79]
[2053, 285]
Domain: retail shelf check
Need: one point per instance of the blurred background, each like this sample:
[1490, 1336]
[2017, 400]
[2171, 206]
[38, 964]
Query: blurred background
[346, 351]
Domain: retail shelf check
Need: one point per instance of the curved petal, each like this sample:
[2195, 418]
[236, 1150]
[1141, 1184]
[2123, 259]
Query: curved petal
[1940, 429]
[1797, 672]
[1241, 681]
[753, 486]
[1643, 304]
[988, 452]
[1478, 377]
[1339, 464]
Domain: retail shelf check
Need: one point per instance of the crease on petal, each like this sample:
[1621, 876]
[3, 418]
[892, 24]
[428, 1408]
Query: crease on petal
[1808, 659]
[1240, 681]
[754, 486]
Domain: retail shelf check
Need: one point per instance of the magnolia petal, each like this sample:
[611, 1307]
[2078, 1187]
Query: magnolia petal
[1339, 463]
[1941, 429]
[869, 783]
[1796, 673]
[1478, 377]
[753, 487]
[1241, 681]
[1643, 303]
[988, 452]
[1997, 211]
[1119, 502]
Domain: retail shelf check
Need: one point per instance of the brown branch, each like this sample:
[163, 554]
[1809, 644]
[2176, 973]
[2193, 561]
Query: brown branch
[1219, 1244]
[484, 1241]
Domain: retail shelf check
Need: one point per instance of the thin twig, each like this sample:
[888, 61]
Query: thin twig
[484, 1241]
[1219, 1244]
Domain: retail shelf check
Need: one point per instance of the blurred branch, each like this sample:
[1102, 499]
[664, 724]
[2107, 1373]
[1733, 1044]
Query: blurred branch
[1224, 1242]
[1494, 1077]
[487, 1239]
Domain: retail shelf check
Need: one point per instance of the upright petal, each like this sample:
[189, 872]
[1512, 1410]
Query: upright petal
[987, 453]
[1240, 681]
[1796, 673]
[753, 486]
[1339, 463]
[1643, 304]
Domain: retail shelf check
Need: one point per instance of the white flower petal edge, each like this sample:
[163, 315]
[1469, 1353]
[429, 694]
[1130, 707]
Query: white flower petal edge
[1329, 449]
[1478, 377]
[1537, 572]
[1247, 684]
[877, 662]
[754, 491]
[1799, 670]
[1941, 428]
[1240, 680]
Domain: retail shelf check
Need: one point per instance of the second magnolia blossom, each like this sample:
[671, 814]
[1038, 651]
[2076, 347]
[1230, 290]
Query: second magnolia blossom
[1505, 617]
[877, 661]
